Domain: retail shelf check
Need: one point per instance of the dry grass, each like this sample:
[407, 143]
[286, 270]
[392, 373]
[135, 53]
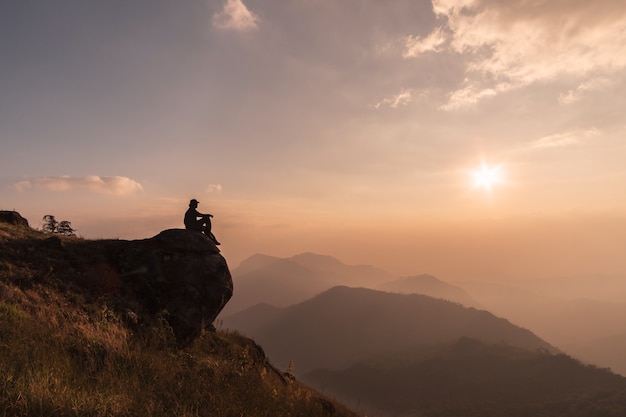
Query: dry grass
[63, 356]
[57, 360]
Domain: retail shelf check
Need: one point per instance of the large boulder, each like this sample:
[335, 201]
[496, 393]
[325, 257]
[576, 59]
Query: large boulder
[178, 274]
[12, 217]
[178, 271]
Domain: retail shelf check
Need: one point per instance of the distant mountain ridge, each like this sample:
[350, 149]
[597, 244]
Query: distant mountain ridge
[285, 281]
[343, 325]
[429, 285]
[256, 261]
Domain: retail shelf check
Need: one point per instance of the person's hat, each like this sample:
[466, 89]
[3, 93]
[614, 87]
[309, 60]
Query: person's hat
[194, 201]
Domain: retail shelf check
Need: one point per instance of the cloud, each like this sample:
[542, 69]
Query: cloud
[403, 98]
[109, 185]
[415, 45]
[449, 7]
[517, 43]
[470, 94]
[565, 139]
[576, 94]
[214, 188]
[235, 16]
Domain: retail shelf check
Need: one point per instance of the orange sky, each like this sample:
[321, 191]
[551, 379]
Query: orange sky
[351, 129]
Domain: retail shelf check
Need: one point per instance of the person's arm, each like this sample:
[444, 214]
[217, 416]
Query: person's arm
[198, 214]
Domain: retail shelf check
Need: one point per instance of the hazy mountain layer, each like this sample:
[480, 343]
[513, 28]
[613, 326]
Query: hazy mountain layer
[344, 325]
[285, 281]
[578, 315]
[432, 286]
[590, 329]
[469, 378]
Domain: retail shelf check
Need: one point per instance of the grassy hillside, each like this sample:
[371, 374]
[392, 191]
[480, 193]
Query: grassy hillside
[69, 346]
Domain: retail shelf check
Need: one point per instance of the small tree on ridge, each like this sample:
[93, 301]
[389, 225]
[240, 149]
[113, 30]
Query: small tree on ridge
[52, 226]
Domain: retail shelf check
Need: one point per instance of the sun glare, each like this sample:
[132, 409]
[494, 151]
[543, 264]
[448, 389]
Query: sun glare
[487, 176]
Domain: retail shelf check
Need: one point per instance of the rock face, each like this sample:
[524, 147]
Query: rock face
[12, 217]
[194, 280]
[180, 271]
[178, 274]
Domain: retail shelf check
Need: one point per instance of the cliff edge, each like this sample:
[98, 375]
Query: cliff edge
[178, 274]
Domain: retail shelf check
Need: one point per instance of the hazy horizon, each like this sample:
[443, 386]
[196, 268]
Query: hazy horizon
[467, 139]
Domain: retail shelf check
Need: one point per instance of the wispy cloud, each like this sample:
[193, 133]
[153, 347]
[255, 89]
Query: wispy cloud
[415, 45]
[214, 188]
[403, 98]
[576, 94]
[518, 43]
[470, 94]
[235, 16]
[110, 185]
[565, 139]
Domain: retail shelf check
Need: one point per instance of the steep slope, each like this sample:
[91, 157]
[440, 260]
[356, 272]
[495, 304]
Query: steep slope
[432, 286]
[285, 281]
[344, 325]
[469, 378]
[81, 335]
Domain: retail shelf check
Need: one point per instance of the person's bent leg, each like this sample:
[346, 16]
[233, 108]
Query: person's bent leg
[207, 230]
[198, 227]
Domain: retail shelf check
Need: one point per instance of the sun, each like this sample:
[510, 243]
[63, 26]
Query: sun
[487, 176]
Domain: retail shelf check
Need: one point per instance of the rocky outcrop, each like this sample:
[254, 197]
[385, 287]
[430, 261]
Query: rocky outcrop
[12, 217]
[178, 271]
[187, 274]
[178, 274]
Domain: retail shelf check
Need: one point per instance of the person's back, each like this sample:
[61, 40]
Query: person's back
[191, 222]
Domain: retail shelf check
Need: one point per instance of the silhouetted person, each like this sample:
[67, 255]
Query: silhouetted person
[195, 220]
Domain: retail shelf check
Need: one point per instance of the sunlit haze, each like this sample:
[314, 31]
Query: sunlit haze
[487, 176]
[471, 140]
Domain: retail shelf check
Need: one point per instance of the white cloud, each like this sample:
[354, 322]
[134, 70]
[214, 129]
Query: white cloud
[468, 95]
[449, 7]
[403, 98]
[566, 138]
[414, 45]
[518, 43]
[235, 16]
[214, 188]
[110, 185]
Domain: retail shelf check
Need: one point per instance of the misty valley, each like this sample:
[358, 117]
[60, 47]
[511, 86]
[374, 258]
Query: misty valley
[419, 346]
